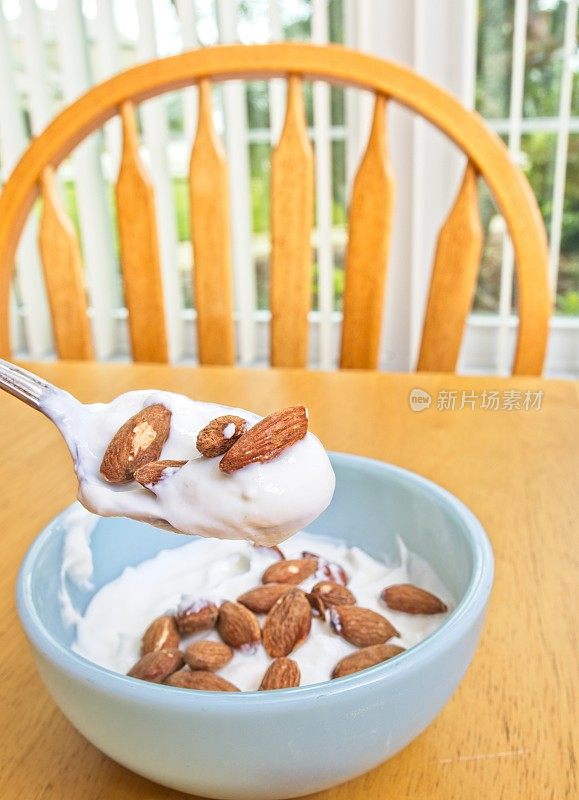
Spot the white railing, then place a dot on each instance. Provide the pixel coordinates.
(88, 41)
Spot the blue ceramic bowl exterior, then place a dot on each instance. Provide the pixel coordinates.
(266, 745)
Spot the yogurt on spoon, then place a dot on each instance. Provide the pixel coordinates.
(264, 502)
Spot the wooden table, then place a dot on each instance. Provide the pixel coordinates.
(508, 731)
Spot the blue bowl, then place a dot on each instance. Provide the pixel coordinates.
(266, 745)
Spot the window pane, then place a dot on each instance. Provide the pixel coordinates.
(543, 57)
(538, 164)
(494, 55)
(336, 21)
(260, 162)
(568, 283)
(253, 23)
(543, 67)
(337, 106)
(339, 219)
(257, 96)
(488, 287)
(207, 31)
(295, 18)
(575, 98)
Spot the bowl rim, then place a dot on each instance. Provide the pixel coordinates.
(471, 605)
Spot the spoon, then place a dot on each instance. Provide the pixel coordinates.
(24, 385)
(262, 502)
(37, 393)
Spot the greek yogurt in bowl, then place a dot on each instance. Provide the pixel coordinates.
(110, 629)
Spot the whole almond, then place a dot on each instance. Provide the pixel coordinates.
(220, 434)
(150, 474)
(157, 665)
(267, 439)
(283, 673)
(361, 626)
(261, 599)
(200, 615)
(237, 625)
(412, 600)
(367, 657)
(139, 441)
(161, 634)
(334, 594)
(329, 570)
(292, 570)
(208, 655)
(200, 680)
(317, 605)
(288, 624)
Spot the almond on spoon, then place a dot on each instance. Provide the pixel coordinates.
(220, 434)
(136, 443)
(267, 439)
(150, 474)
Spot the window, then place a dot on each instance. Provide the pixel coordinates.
(516, 60)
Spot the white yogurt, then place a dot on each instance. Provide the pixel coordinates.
(77, 563)
(263, 503)
(109, 632)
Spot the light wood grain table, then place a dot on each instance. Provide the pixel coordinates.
(509, 730)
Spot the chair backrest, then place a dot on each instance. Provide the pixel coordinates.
(457, 253)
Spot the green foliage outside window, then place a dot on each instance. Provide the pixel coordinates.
(543, 64)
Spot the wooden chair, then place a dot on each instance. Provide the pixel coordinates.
(457, 253)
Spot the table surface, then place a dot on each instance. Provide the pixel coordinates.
(508, 731)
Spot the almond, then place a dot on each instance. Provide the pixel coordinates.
(292, 570)
(283, 673)
(367, 657)
(201, 680)
(157, 665)
(334, 594)
(237, 625)
(161, 634)
(207, 655)
(328, 569)
(317, 605)
(261, 599)
(412, 600)
(200, 615)
(219, 435)
(139, 441)
(361, 626)
(288, 624)
(150, 474)
(267, 439)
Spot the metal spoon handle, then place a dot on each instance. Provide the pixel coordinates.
(23, 384)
